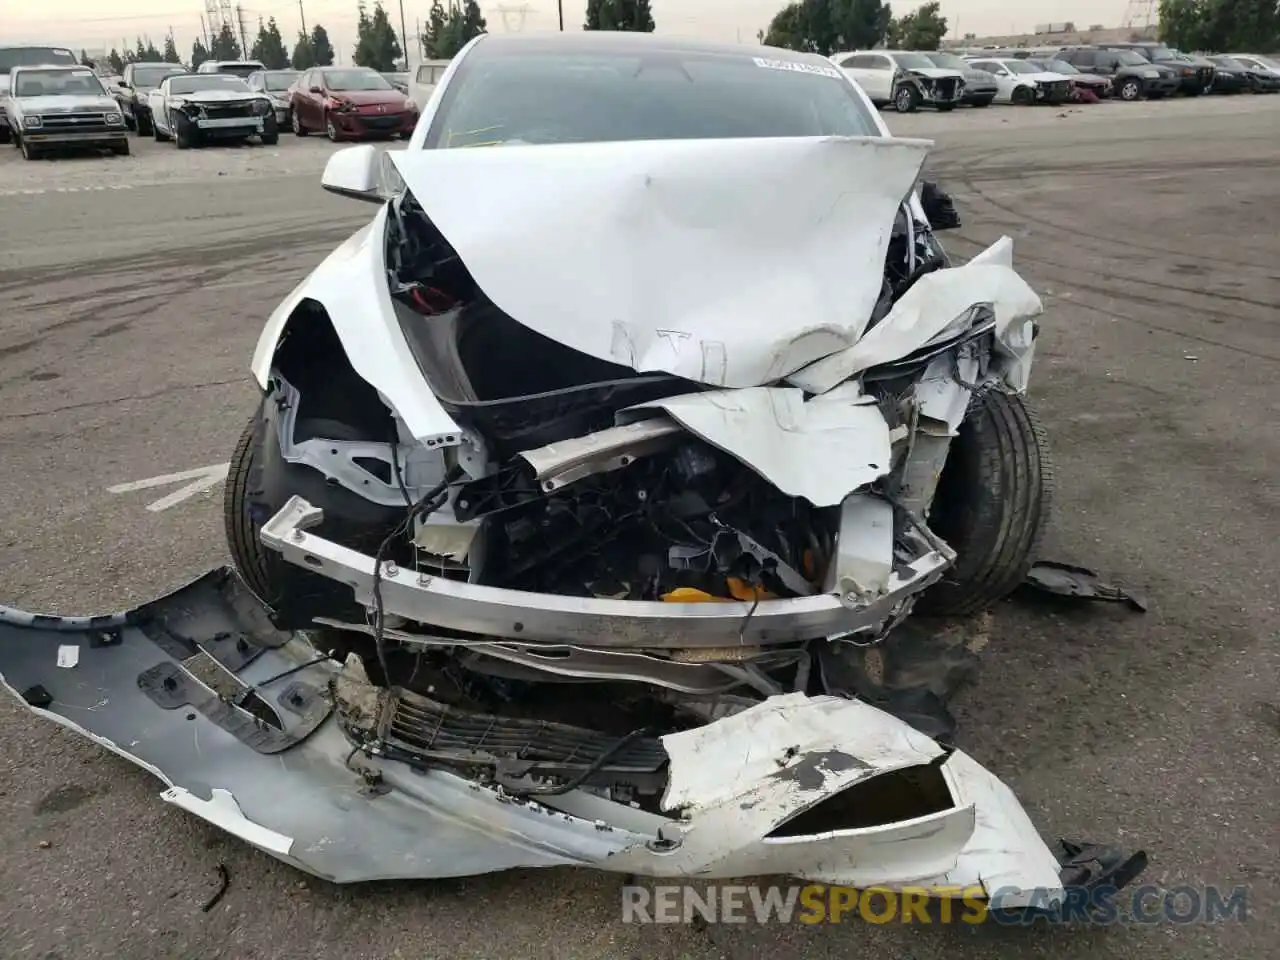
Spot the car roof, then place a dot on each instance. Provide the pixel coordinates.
(617, 42)
(45, 67)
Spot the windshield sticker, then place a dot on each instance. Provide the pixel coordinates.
(795, 67)
(61, 53)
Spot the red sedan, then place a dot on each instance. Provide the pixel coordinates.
(350, 103)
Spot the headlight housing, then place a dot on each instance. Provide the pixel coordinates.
(1151, 74)
(114, 119)
(32, 123)
(262, 107)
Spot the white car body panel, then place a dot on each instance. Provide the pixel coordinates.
(676, 261)
(160, 100)
(1007, 81)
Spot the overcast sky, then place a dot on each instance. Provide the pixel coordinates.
(85, 23)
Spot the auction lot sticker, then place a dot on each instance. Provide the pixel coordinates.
(797, 67)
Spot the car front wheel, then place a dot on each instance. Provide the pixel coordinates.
(1130, 90)
(992, 504)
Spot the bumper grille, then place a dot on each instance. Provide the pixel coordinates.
(945, 89)
(62, 122)
(429, 729)
(224, 111)
(391, 121)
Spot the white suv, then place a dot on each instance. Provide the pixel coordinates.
(906, 79)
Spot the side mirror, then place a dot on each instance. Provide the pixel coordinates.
(938, 206)
(361, 173)
(123, 84)
(317, 89)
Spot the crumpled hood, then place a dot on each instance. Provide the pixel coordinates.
(729, 262)
(936, 73)
(217, 96)
(65, 103)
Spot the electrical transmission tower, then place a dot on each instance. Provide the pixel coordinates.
(514, 13)
(1139, 13)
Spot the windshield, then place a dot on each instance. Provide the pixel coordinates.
(151, 76)
(1019, 66)
(11, 57)
(241, 70)
(281, 79)
(1130, 59)
(58, 83)
(1158, 53)
(563, 94)
(948, 61)
(914, 61)
(354, 81)
(1058, 66)
(207, 81)
(1229, 63)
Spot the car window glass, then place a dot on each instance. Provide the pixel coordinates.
(558, 96)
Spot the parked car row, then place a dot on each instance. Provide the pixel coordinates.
(943, 80)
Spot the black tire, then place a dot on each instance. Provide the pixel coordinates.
(144, 125)
(1024, 96)
(29, 152)
(160, 137)
(992, 505)
(298, 129)
(984, 102)
(129, 122)
(331, 130)
(906, 99)
(184, 132)
(6, 134)
(259, 483)
(1130, 89)
(270, 135)
(120, 148)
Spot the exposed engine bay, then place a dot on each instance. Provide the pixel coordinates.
(568, 580)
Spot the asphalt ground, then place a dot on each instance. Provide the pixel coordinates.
(132, 292)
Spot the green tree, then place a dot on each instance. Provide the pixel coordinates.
(633, 16)
(923, 29)
(303, 57)
(826, 26)
(321, 48)
(146, 52)
(225, 45)
(1213, 25)
(786, 29)
(115, 61)
(269, 46)
(448, 32)
(170, 52)
(376, 43)
(199, 54)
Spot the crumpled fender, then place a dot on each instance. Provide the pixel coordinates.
(350, 284)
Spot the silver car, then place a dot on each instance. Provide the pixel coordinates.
(52, 107)
(275, 85)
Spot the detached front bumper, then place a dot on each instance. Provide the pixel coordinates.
(821, 788)
(538, 617)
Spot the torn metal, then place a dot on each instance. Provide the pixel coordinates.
(562, 524)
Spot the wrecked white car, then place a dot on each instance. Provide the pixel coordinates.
(581, 478)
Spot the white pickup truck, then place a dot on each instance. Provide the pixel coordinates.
(56, 107)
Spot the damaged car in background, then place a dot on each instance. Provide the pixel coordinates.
(582, 479)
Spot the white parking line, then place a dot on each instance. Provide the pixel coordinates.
(93, 188)
(203, 478)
